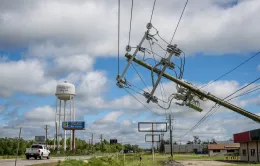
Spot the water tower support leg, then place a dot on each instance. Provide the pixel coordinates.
(73, 140)
(65, 138)
(73, 102)
(70, 120)
(59, 128)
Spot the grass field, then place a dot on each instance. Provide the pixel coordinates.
(196, 157)
(11, 157)
(134, 160)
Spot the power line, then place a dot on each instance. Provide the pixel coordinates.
(230, 70)
(152, 11)
(179, 21)
(140, 76)
(243, 94)
(210, 112)
(130, 22)
(141, 102)
(118, 44)
(242, 88)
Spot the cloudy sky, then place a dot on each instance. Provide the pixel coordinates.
(43, 43)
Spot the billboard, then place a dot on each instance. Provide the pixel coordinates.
(39, 139)
(73, 125)
(113, 141)
(152, 137)
(152, 126)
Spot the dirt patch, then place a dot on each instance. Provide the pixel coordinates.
(205, 163)
(172, 163)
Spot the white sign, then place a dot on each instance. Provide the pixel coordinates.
(40, 139)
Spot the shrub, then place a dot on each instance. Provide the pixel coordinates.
(72, 162)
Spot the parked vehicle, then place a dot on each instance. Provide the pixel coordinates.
(37, 151)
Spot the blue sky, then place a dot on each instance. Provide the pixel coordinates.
(78, 44)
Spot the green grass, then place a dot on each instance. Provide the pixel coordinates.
(46, 164)
(196, 157)
(52, 155)
(242, 164)
(129, 160)
(11, 157)
(134, 160)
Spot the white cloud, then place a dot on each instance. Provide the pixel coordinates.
(43, 114)
(89, 27)
(73, 63)
(126, 122)
(16, 77)
(110, 118)
(92, 84)
(31, 77)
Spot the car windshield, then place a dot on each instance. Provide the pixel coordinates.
(37, 146)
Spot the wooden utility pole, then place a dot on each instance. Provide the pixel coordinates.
(92, 139)
(92, 142)
(170, 125)
(152, 143)
(197, 91)
(18, 146)
(101, 140)
(46, 134)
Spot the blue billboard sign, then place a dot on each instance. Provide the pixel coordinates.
(73, 125)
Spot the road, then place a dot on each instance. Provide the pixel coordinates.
(23, 162)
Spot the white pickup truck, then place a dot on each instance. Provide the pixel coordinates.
(37, 151)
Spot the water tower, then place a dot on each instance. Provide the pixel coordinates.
(65, 92)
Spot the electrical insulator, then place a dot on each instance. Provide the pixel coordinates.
(148, 37)
(190, 97)
(128, 48)
(180, 96)
(181, 90)
(149, 26)
(141, 49)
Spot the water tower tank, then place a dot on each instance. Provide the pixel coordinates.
(65, 90)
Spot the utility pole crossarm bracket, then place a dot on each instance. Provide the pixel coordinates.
(198, 91)
(172, 49)
(119, 78)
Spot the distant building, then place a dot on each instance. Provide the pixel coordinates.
(249, 145)
(225, 142)
(224, 149)
(188, 148)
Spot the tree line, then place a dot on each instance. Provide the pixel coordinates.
(8, 146)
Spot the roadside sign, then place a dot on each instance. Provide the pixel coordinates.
(40, 139)
(152, 126)
(113, 141)
(152, 138)
(73, 125)
(232, 157)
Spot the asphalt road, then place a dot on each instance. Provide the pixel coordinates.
(23, 162)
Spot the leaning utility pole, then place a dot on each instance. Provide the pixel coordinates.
(201, 94)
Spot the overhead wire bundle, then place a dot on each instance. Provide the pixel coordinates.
(152, 41)
(216, 106)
